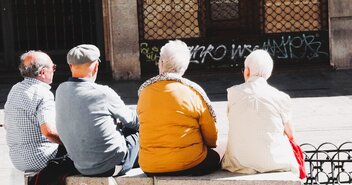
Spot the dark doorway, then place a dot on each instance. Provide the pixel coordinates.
(228, 18)
(52, 26)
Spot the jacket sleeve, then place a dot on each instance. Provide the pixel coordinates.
(208, 127)
(118, 109)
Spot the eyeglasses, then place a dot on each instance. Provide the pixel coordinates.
(53, 67)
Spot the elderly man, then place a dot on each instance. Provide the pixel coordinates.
(259, 122)
(30, 115)
(99, 131)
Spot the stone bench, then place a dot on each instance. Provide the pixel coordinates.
(136, 176)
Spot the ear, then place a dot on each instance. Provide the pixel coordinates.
(70, 65)
(248, 72)
(160, 66)
(96, 66)
(41, 75)
(41, 72)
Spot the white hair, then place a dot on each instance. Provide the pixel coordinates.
(175, 57)
(259, 63)
(32, 62)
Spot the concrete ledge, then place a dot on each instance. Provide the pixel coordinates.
(73, 180)
(227, 178)
(136, 176)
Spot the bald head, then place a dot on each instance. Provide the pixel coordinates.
(32, 62)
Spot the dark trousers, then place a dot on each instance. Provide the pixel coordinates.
(131, 158)
(61, 151)
(210, 164)
(55, 172)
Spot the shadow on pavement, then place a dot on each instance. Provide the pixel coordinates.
(298, 80)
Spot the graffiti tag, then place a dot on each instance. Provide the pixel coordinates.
(285, 47)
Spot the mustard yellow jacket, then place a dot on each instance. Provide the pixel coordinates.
(176, 127)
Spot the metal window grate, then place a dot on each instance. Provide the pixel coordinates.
(165, 19)
(168, 19)
(294, 15)
(328, 163)
(221, 10)
(53, 24)
(232, 18)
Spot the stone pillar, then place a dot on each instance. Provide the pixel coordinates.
(340, 30)
(124, 42)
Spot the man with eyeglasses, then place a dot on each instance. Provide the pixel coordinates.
(30, 115)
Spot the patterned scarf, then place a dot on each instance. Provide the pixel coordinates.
(178, 78)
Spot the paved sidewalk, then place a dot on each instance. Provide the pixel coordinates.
(322, 106)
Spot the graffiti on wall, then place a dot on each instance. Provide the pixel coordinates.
(304, 46)
(295, 47)
(151, 54)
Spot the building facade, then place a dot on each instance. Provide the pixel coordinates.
(219, 33)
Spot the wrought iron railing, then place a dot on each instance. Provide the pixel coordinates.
(328, 163)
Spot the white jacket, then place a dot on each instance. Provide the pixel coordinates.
(256, 141)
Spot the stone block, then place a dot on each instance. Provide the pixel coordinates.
(81, 180)
(227, 178)
(340, 8)
(134, 176)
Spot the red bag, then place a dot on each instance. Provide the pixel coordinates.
(299, 157)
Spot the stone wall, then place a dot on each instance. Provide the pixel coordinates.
(340, 29)
(124, 44)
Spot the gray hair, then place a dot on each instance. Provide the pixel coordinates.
(32, 62)
(259, 63)
(175, 56)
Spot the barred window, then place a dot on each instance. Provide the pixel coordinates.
(224, 9)
(165, 19)
(53, 24)
(292, 15)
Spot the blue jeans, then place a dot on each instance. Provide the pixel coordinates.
(131, 158)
